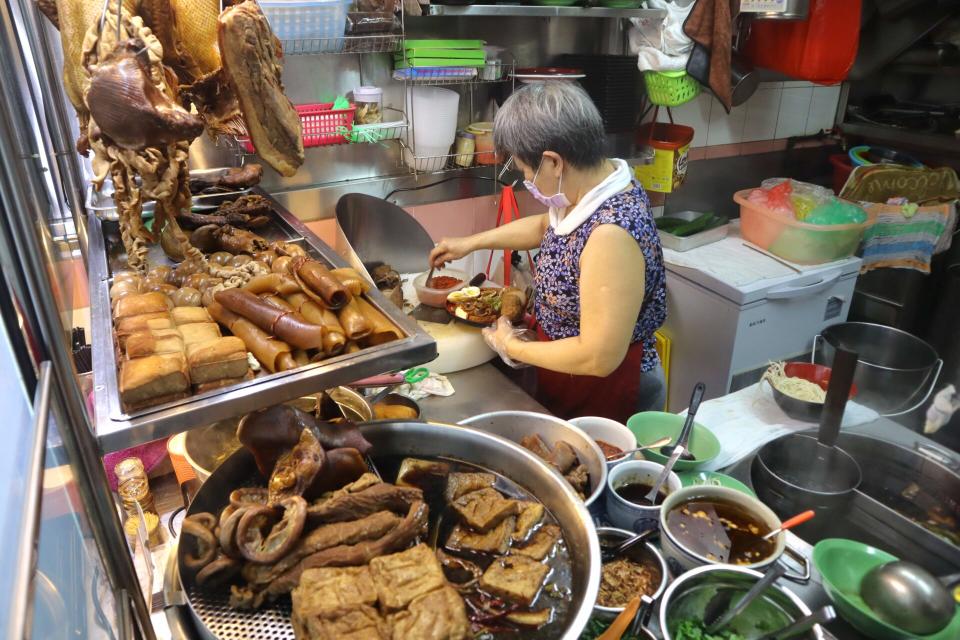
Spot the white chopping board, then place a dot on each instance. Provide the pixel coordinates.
(459, 346)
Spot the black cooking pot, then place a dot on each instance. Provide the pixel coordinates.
(797, 472)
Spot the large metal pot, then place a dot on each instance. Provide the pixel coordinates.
(514, 425)
(896, 371)
(213, 619)
(689, 594)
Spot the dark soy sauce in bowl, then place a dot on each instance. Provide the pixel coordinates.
(636, 492)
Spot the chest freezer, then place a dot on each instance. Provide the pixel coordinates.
(732, 311)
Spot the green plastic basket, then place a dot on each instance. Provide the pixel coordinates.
(670, 88)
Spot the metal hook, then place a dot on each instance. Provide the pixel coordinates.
(119, 18)
(103, 14)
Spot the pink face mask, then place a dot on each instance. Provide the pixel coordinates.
(556, 201)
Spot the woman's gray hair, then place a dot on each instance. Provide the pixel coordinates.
(550, 116)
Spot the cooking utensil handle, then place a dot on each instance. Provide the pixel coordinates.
(695, 400)
(803, 561)
(933, 384)
(774, 573)
(838, 393)
(800, 518)
(820, 616)
(665, 474)
(816, 345)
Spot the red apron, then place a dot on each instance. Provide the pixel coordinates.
(570, 396)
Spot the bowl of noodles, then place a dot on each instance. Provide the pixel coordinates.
(799, 388)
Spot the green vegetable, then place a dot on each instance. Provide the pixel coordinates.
(667, 223)
(596, 627)
(684, 228)
(694, 630)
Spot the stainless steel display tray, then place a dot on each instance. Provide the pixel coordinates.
(116, 429)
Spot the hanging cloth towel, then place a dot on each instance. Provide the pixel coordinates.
(564, 224)
(710, 24)
(899, 241)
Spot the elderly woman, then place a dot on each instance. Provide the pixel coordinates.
(600, 283)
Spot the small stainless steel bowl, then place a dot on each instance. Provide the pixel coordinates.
(688, 595)
(613, 536)
(398, 399)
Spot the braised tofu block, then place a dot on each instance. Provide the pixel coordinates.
(514, 578)
(430, 476)
(484, 509)
(541, 544)
(530, 515)
(459, 484)
(497, 540)
(536, 444)
(360, 622)
(564, 457)
(438, 615)
(328, 589)
(401, 577)
(579, 479)
(535, 619)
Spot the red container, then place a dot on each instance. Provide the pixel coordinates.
(842, 167)
(820, 49)
(321, 125)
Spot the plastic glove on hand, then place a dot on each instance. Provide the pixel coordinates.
(499, 335)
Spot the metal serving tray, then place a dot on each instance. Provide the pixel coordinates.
(116, 429)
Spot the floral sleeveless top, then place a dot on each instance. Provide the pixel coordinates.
(557, 302)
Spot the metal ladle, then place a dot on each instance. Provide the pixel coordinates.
(907, 596)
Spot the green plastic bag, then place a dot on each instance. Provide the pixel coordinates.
(835, 211)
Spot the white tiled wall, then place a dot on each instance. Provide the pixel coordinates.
(776, 110)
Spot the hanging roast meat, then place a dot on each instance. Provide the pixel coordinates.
(250, 54)
(130, 109)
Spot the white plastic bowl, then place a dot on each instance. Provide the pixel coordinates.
(611, 432)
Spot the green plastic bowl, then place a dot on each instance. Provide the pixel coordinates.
(842, 565)
(713, 479)
(653, 425)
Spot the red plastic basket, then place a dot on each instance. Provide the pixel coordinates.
(321, 125)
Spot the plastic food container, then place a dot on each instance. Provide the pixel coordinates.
(671, 144)
(466, 146)
(369, 101)
(797, 241)
(306, 20)
(484, 142)
(438, 297)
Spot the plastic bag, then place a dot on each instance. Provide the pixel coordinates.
(776, 198)
(788, 196)
(370, 22)
(836, 211)
(492, 337)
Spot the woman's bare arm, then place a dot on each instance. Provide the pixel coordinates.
(612, 272)
(523, 234)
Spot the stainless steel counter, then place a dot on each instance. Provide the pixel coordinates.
(478, 390)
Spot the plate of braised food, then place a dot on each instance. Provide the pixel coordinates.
(482, 306)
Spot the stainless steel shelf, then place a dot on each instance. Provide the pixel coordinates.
(116, 429)
(372, 43)
(530, 11)
(906, 138)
